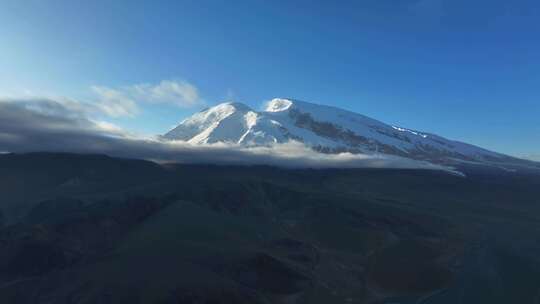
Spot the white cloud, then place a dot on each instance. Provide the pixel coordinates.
(115, 103)
(123, 101)
(178, 93)
(534, 157)
(109, 128)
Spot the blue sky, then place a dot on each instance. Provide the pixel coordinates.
(467, 70)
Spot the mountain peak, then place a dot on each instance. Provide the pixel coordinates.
(324, 128)
(278, 105)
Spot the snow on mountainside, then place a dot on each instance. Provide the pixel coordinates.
(324, 128)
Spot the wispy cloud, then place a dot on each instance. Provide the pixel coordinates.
(230, 95)
(123, 101)
(56, 126)
(115, 103)
(178, 93)
(535, 157)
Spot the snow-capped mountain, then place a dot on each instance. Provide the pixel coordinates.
(324, 128)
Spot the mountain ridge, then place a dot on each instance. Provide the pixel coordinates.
(326, 129)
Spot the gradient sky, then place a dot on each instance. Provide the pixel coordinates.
(466, 70)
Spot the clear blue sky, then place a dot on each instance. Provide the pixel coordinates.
(467, 70)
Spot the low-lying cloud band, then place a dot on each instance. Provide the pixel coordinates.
(34, 125)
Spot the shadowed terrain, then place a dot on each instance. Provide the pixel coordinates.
(95, 229)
